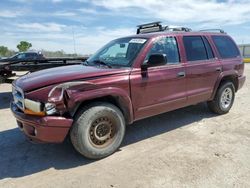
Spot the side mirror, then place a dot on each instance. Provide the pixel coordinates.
(155, 60)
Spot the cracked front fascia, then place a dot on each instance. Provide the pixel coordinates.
(60, 94)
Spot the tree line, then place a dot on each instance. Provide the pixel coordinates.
(24, 46)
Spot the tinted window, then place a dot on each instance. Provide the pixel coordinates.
(195, 48)
(210, 53)
(31, 55)
(21, 56)
(225, 46)
(167, 46)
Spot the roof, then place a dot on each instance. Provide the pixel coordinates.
(154, 29)
(174, 33)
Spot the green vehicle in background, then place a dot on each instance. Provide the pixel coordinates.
(245, 52)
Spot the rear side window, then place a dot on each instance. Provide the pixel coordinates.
(210, 53)
(195, 48)
(226, 47)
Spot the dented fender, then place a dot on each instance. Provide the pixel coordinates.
(68, 96)
(58, 95)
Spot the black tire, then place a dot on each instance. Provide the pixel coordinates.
(98, 130)
(216, 105)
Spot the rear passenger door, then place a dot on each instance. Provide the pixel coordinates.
(202, 68)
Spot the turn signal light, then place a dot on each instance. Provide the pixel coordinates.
(29, 112)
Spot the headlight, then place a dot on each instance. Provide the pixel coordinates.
(33, 108)
(50, 108)
(33, 105)
(37, 108)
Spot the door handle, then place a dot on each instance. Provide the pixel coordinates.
(181, 74)
(218, 69)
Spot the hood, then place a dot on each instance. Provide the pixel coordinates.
(58, 75)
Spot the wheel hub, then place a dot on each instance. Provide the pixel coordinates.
(101, 131)
(226, 98)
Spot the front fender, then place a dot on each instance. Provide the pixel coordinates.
(69, 96)
(120, 95)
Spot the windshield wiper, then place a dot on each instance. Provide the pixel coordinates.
(100, 62)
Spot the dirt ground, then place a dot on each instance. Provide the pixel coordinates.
(189, 147)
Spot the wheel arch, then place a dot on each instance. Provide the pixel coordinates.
(232, 77)
(116, 97)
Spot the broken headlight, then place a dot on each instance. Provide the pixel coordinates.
(50, 108)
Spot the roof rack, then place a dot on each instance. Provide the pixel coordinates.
(149, 27)
(219, 30)
(186, 29)
(157, 27)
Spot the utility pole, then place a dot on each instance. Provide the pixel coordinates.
(74, 41)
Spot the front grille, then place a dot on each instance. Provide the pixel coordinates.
(18, 97)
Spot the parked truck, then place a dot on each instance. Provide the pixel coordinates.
(31, 62)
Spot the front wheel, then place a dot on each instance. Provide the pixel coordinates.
(224, 99)
(98, 130)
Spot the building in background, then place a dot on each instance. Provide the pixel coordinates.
(245, 52)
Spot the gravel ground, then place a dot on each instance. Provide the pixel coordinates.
(189, 147)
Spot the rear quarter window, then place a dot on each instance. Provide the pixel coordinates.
(226, 47)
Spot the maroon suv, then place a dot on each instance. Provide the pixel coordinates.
(157, 70)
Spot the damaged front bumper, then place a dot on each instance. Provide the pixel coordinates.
(48, 129)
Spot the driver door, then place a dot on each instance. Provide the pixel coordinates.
(160, 88)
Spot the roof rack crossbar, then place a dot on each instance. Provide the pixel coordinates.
(157, 27)
(186, 29)
(152, 24)
(220, 30)
(149, 27)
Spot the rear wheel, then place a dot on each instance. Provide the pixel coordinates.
(224, 98)
(98, 130)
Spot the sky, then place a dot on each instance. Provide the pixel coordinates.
(83, 26)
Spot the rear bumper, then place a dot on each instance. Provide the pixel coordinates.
(241, 81)
(47, 129)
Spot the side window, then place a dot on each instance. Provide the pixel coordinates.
(210, 53)
(21, 56)
(30, 55)
(195, 48)
(226, 47)
(168, 47)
